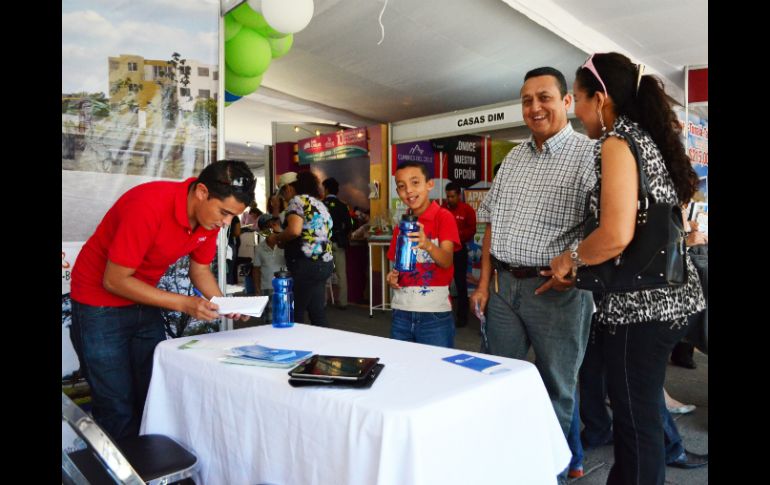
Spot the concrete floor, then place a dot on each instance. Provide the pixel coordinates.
(685, 385)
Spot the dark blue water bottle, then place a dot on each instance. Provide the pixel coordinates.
(406, 257)
(283, 299)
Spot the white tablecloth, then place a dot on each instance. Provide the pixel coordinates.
(424, 421)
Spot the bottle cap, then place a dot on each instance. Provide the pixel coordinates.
(282, 273)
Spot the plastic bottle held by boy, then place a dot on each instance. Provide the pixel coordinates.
(406, 256)
(283, 299)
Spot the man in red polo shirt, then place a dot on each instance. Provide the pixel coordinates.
(116, 319)
(465, 217)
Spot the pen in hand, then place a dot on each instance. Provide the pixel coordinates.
(198, 293)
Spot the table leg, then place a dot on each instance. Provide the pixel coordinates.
(371, 299)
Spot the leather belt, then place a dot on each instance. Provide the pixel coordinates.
(519, 271)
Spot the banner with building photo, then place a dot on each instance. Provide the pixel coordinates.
(139, 91)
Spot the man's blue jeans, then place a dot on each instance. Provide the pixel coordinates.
(115, 346)
(432, 328)
(555, 324)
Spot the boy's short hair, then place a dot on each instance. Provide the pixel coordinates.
(331, 185)
(421, 166)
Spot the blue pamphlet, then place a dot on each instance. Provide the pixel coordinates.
(261, 352)
(477, 363)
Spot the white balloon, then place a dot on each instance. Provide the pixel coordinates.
(255, 5)
(287, 16)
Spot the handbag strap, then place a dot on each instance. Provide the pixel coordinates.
(644, 191)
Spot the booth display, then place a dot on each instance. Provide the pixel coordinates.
(393, 432)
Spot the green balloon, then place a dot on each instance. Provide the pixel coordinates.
(240, 85)
(248, 54)
(281, 46)
(232, 27)
(254, 20)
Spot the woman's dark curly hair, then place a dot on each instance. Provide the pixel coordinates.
(649, 107)
(307, 184)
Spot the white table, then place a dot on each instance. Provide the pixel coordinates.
(384, 244)
(423, 422)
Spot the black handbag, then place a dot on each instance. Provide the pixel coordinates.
(655, 258)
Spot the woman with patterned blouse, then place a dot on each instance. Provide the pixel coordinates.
(633, 331)
(307, 245)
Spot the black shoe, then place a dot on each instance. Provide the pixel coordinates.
(690, 460)
(681, 355)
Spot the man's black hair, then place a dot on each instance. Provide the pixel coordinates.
(421, 166)
(550, 71)
(331, 185)
(453, 187)
(225, 178)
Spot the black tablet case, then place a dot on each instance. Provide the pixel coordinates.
(360, 384)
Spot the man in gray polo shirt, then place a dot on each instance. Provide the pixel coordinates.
(534, 211)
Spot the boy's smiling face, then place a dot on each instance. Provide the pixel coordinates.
(413, 189)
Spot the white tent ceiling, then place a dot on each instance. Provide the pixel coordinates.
(439, 56)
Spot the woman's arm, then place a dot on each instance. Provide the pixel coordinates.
(618, 205)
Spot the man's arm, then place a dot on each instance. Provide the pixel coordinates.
(120, 280)
(480, 297)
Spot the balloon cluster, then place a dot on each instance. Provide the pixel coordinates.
(256, 32)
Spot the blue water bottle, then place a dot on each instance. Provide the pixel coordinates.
(406, 257)
(283, 299)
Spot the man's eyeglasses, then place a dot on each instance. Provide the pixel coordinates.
(589, 64)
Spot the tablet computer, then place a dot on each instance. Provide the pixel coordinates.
(335, 367)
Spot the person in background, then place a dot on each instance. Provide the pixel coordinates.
(249, 219)
(306, 240)
(276, 206)
(534, 210)
(116, 308)
(465, 217)
(341, 229)
(634, 331)
(422, 311)
(268, 258)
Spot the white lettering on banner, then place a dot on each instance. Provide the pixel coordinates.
(466, 146)
(465, 174)
(464, 160)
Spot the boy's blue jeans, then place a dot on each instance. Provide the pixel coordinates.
(432, 328)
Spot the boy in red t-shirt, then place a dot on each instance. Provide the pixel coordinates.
(422, 311)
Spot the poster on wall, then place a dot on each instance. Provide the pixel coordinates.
(464, 155)
(139, 91)
(419, 151)
(474, 197)
(333, 146)
(69, 360)
(698, 150)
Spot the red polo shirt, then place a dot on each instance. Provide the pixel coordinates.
(465, 217)
(439, 225)
(147, 229)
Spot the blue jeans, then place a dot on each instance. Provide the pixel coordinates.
(573, 439)
(115, 346)
(309, 286)
(432, 328)
(555, 324)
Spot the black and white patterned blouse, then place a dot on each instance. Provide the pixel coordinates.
(669, 303)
